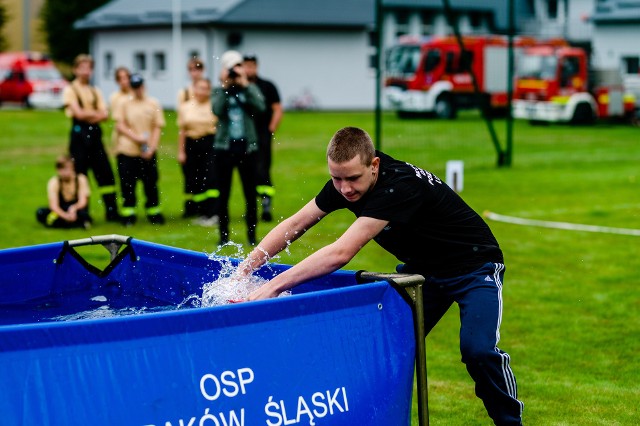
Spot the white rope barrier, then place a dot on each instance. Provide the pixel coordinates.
(560, 225)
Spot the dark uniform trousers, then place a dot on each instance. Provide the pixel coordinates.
(88, 152)
(224, 163)
(132, 169)
(199, 176)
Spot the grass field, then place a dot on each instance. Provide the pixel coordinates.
(572, 301)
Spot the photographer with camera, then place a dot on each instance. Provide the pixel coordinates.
(235, 103)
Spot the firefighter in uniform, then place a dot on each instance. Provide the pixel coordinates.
(197, 126)
(123, 93)
(195, 66)
(68, 194)
(139, 122)
(85, 105)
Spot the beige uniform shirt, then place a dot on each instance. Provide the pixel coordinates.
(69, 189)
(184, 95)
(196, 119)
(87, 96)
(115, 100)
(141, 116)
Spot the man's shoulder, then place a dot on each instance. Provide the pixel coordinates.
(264, 81)
(153, 102)
(53, 184)
(266, 86)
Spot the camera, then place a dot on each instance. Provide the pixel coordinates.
(233, 73)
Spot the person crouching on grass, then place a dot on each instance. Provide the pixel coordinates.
(68, 193)
(416, 217)
(139, 122)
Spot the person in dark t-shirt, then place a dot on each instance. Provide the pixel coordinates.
(412, 214)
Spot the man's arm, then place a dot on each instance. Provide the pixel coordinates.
(324, 261)
(255, 100)
(83, 192)
(276, 107)
(85, 114)
(219, 102)
(281, 236)
(53, 190)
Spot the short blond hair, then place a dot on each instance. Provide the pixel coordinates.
(83, 57)
(349, 142)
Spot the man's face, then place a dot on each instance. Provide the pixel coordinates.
(353, 179)
(195, 72)
(83, 71)
(251, 68)
(202, 90)
(123, 80)
(66, 171)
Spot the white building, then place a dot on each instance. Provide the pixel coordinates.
(318, 50)
(615, 41)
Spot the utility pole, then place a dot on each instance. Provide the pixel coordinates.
(176, 44)
(26, 21)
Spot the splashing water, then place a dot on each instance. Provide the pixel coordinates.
(226, 288)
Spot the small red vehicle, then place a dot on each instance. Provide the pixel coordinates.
(30, 79)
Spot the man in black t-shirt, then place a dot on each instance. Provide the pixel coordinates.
(415, 216)
(266, 125)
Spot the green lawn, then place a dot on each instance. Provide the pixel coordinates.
(572, 302)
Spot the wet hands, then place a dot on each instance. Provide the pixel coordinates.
(264, 292)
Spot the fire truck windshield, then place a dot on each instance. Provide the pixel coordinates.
(541, 67)
(403, 59)
(44, 74)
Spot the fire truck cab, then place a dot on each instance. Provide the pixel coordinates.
(30, 79)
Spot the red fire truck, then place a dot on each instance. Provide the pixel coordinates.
(30, 79)
(433, 76)
(553, 85)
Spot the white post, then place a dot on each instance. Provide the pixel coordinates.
(455, 174)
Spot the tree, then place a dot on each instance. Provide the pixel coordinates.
(58, 17)
(4, 17)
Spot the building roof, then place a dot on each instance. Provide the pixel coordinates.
(617, 12)
(126, 13)
(319, 13)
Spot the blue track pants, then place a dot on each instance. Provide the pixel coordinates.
(479, 296)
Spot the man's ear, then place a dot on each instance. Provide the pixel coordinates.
(375, 163)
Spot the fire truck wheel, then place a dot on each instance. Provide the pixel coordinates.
(583, 115)
(27, 104)
(444, 108)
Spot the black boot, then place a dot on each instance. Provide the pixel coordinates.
(266, 209)
(251, 236)
(190, 209)
(111, 207)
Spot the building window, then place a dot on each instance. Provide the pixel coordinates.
(402, 22)
(427, 19)
(108, 64)
(140, 61)
(552, 9)
(475, 20)
(631, 64)
(159, 63)
(234, 40)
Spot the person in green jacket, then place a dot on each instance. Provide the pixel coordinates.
(235, 103)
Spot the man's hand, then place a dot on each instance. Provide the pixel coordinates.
(182, 157)
(264, 292)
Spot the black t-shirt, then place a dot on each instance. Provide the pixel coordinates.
(271, 96)
(431, 228)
